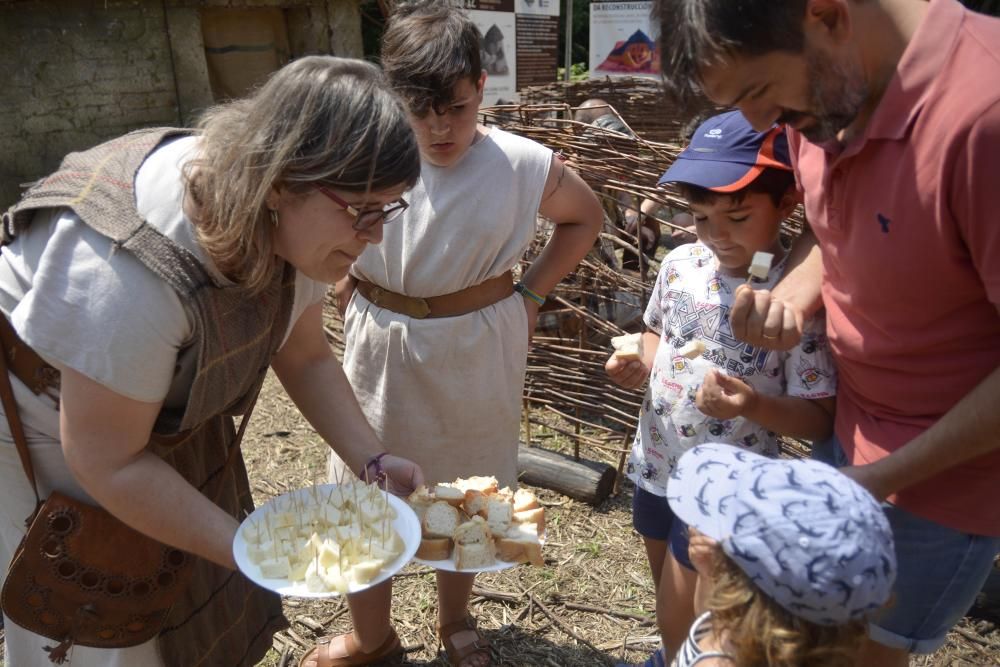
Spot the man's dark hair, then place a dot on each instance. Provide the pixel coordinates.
(428, 47)
(695, 33)
(772, 182)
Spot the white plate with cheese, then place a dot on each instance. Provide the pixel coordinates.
(326, 540)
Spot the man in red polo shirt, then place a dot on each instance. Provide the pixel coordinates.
(894, 107)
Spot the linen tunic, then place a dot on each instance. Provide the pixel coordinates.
(446, 392)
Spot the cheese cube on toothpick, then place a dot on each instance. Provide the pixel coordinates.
(628, 347)
(760, 265)
(691, 349)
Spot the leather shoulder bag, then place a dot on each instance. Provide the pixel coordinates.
(81, 576)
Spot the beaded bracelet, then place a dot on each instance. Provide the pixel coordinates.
(526, 292)
(380, 476)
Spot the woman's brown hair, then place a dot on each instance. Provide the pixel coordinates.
(319, 120)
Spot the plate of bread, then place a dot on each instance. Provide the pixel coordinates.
(327, 540)
(471, 525)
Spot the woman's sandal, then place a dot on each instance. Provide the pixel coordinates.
(461, 651)
(343, 651)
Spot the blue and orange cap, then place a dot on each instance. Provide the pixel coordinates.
(726, 154)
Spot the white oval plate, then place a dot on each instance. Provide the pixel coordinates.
(405, 523)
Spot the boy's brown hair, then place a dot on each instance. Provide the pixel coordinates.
(428, 47)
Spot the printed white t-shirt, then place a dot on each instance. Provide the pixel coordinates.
(691, 301)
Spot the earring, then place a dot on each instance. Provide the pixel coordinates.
(274, 217)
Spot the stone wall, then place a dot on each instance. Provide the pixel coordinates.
(77, 72)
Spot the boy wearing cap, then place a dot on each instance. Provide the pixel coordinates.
(739, 186)
(793, 556)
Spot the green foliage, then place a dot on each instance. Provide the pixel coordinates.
(581, 31)
(577, 72)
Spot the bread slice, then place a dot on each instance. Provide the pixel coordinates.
(475, 503)
(628, 347)
(419, 501)
(498, 515)
(450, 494)
(521, 545)
(474, 556)
(435, 548)
(473, 531)
(440, 520)
(516, 551)
(524, 500)
(487, 485)
(535, 516)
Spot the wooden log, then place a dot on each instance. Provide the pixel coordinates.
(584, 480)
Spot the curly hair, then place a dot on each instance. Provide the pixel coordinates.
(760, 633)
(319, 120)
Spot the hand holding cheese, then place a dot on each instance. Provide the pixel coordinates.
(691, 349)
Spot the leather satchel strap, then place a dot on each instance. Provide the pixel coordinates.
(235, 447)
(463, 301)
(14, 420)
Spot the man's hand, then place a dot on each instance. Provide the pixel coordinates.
(763, 321)
(630, 374)
(868, 476)
(723, 397)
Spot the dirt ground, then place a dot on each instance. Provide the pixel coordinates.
(590, 605)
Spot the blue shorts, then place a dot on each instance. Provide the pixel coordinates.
(940, 572)
(654, 520)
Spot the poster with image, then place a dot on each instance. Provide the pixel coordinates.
(622, 40)
(498, 55)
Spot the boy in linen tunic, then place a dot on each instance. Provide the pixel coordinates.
(447, 390)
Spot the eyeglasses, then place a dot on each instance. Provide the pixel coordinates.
(368, 219)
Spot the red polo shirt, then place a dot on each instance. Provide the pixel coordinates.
(908, 219)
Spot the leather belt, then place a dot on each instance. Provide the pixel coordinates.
(464, 301)
(37, 374)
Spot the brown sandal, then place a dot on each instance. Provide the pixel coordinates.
(457, 653)
(349, 654)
